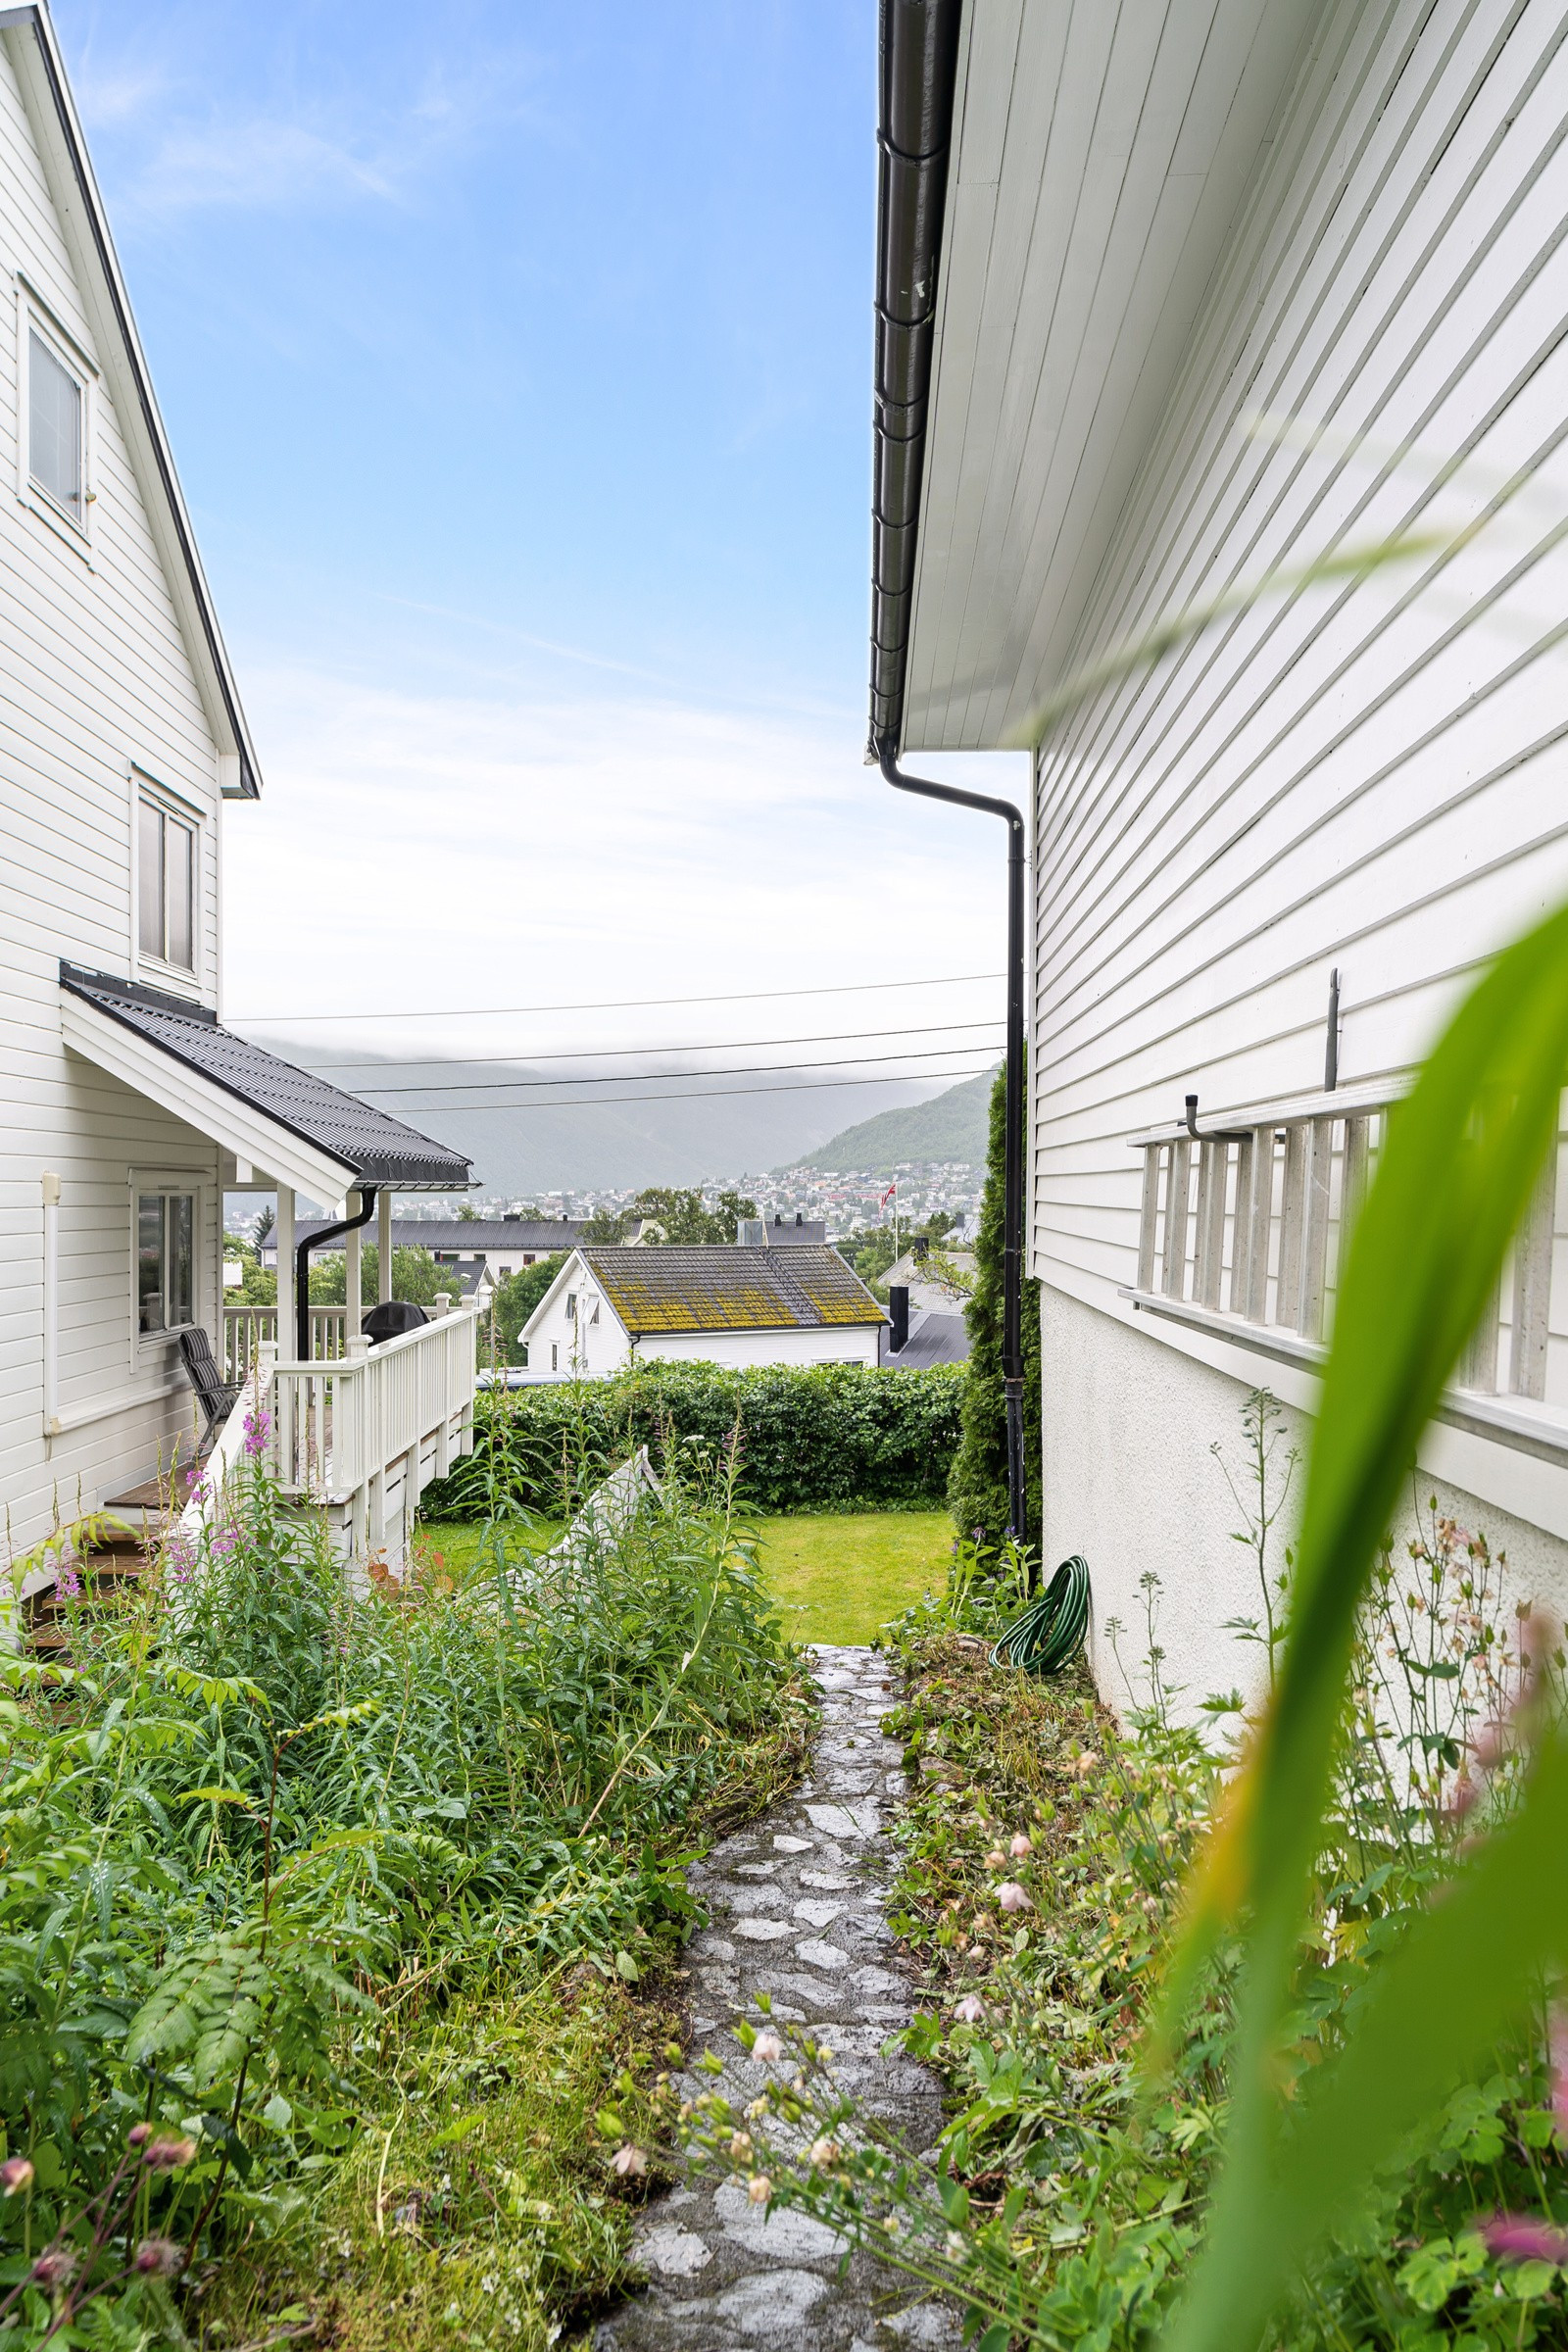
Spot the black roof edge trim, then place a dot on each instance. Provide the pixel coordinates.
(77, 977)
(918, 74)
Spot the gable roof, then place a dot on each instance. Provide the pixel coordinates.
(730, 1288)
(35, 53)
(178, 1053)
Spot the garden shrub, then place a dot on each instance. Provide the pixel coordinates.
(977, 1486)
(823, 1437)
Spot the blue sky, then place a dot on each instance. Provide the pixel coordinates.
(516, 365)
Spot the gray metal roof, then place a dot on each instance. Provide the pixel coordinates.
(473, 1235)
(933, 1339)
(381, 1151)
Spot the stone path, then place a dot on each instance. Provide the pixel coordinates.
(797, 1908)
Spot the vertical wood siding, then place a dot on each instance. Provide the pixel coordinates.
(93, 679)
(1371, 775)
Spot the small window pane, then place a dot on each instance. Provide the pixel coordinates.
(150, 1263)
(54, 426)
(180, 881)
(150, 879)
(180, 1287)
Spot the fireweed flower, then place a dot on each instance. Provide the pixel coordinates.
(67, 1583)
(16, 2175)
(1012, 1896)
(1524, 2237)
(258, 1429)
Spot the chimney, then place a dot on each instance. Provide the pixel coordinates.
(899, 1314)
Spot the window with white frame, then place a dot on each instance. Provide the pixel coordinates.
(56, 425)
(166, 874)
(165, 1261)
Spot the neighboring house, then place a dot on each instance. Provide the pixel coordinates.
(125, 1109)
(936, 1337)
(928, 1293)
(721, 1305)
(787, 1233)
(1267, 864)
(502, 1245)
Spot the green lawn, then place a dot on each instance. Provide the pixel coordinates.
(836, 1578)
(841, 1579)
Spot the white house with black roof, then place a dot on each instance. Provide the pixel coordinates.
(127, 1109)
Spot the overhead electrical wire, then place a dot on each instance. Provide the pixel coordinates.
(495, 1085)
(723, 1045)
(709, 1094)
(741, 996)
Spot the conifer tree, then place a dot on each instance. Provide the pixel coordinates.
(977, 1486)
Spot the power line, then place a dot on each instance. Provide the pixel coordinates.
(709, 1094)
(744, 996)
(496, 1086)
(723, 1045)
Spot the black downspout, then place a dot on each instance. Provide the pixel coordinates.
(302, 1266)
(1012, 1139)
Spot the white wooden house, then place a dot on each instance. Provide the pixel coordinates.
(126, 1107)
(735, 1305)
(1157, 225)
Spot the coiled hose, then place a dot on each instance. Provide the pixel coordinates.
(1051, 1632)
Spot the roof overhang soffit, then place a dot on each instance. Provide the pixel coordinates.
(35, 59)
(237, 1125)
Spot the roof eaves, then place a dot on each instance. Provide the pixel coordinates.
(98, 247)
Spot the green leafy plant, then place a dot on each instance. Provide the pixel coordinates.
(977, 1483)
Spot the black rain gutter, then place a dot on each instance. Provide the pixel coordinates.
(301, 1265)
(920, 58)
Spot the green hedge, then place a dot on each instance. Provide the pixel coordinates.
(822, 1438)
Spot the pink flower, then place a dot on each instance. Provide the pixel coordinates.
(1557, 2051)
(759, 2188)
(1524, 2237)
(996, 1859)
(970, 2010)
(56, 2268)
(258, 1429)
(1021, 1847)
(1012, 1896)
(628, 2161)
(168, 2155)
(767, 2047)
(825, 2153)
(16, 2174)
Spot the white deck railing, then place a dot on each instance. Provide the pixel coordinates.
(346, 1430)
(1245, 1224)
(249, 1328)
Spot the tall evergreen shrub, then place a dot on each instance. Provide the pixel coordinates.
(977, 1483)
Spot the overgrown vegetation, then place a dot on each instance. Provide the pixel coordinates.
(326, 1920)
(826, 1436)
(1044, 1856)
(672, 1218)
(977, 1488)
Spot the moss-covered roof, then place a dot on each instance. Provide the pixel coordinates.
(731, 1289)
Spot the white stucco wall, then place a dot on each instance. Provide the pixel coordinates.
(1132, 1482)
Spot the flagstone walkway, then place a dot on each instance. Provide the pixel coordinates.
(797, 1908)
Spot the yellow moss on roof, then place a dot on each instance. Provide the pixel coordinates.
(733, 1289)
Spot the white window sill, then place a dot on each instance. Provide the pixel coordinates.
(1514, 1421)
(38, 502)
(115, 1400)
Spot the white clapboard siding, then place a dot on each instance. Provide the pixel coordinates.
(1371, 775)
(95, 681)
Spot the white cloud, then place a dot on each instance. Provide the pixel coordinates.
(434, 851)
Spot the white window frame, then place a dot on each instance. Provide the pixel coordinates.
(34, 318)
(153, 1347)
(177, 978)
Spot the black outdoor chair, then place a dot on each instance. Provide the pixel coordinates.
(215, 1396)
(391, 1319)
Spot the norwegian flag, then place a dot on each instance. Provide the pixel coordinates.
(891, 1193)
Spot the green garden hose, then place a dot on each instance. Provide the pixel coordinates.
(1051, 1632)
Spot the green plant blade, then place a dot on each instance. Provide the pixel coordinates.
(1437, 2005)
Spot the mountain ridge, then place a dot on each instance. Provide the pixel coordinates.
(947, 1126)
